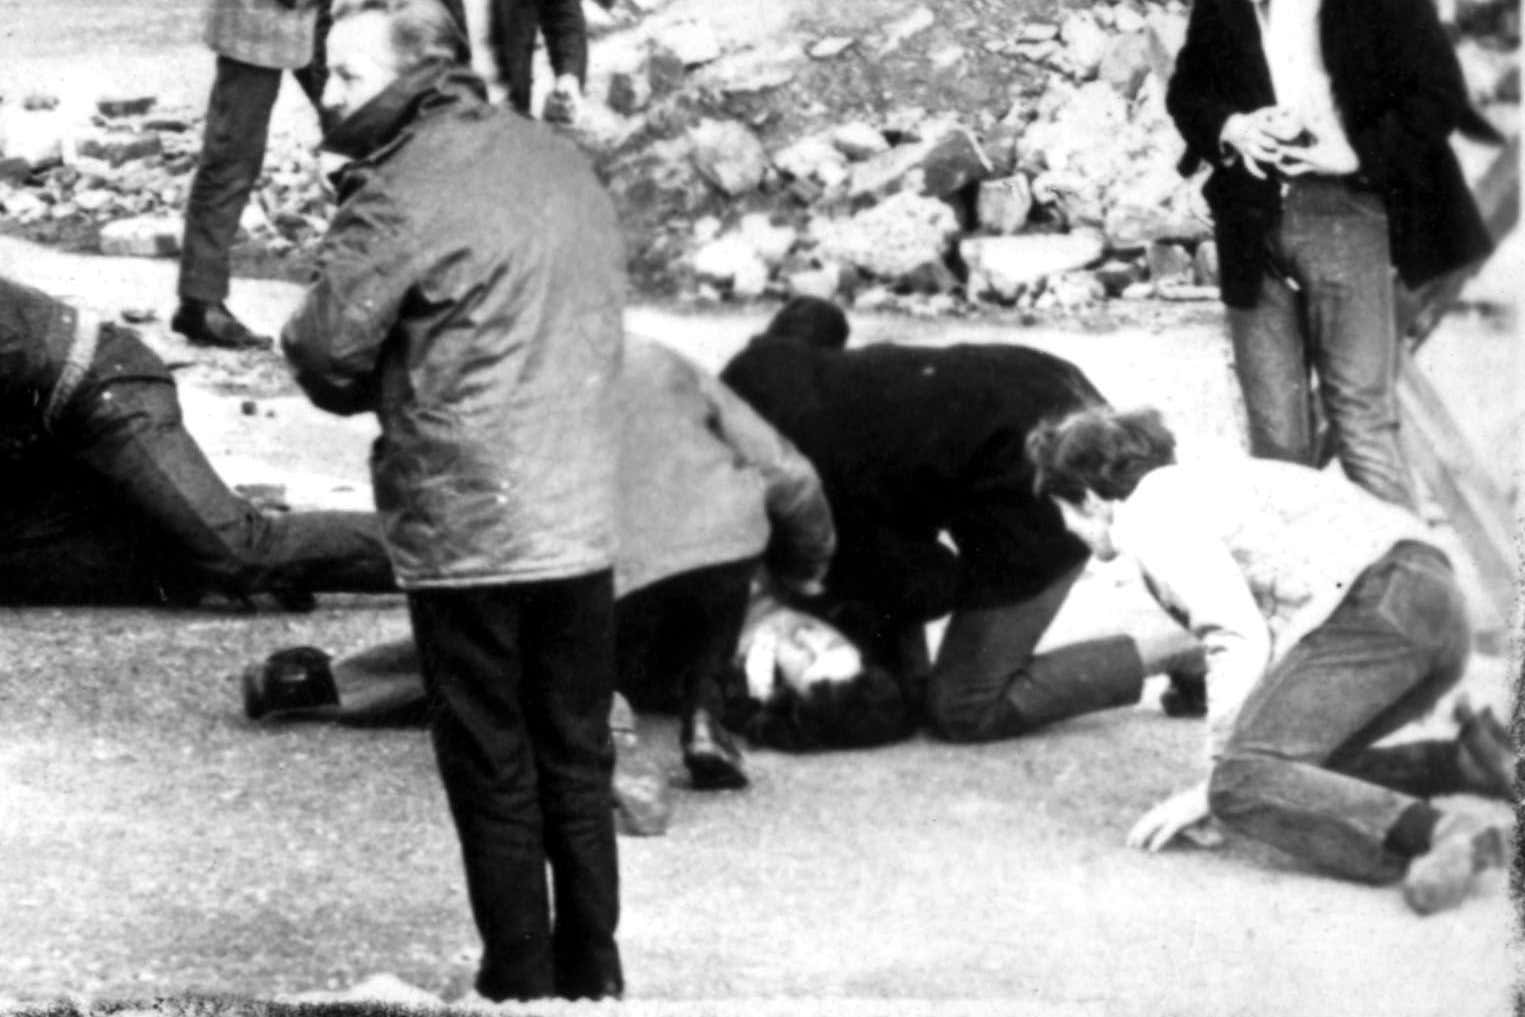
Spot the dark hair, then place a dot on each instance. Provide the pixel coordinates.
(422, 30)
(1098, 449)
(866, 710)
(812, 321)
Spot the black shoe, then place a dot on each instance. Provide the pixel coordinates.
(1187, 695)
(714, 762)
(1484, 753)
(289, 680)
(214, 325)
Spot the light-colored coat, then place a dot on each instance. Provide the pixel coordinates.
(265, 33)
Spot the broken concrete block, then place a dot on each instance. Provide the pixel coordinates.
(728, 155)
(1004, 205)
(145, 236)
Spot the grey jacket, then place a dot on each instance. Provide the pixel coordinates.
(469, 291)
(705, 481)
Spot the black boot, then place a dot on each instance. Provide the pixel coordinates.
(289, 681)
(205, 324)
(714, 762)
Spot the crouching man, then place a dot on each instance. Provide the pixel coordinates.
(1330, 621)
(469, 294)
(109, 500)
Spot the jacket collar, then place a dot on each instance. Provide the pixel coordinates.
(378, 127)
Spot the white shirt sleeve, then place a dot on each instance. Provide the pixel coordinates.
(1190, 570)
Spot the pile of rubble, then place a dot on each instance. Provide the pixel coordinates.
(119, 181)
(748, 172)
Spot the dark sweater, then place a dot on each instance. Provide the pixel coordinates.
(911, 442)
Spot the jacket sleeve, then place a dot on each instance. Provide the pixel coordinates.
(1193, 97)
(1429, 94)
(804, 537)
(566, 37)
(367, 264)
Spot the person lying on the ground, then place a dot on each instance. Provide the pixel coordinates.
(794, 683)
(1330, 620)
(707, 491)
(914, 444)
(110, 501)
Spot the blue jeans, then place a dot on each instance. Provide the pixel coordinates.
(1299, 771)
(1325, 309)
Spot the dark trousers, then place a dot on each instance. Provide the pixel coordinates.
(232, 154)
(1299, 771)
(520, 679)
(1325, 309)
(677, 637)
(121, 506)
(512, 28)
(674, 641)
(986, 682)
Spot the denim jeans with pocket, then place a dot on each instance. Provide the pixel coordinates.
(1299, 771)
(1325, 310)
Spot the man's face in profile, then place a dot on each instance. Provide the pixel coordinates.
(361, 62)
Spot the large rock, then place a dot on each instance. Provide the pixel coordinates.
(118, 147)
(1004, 267)
(722, 261)
(887, 172)
(728, 155)
(23, 206)
(1169, 263)
(144, 236)
(629, 92)
(772, 243)
(812, 158)
(693, 42)
(858, 140)
(946, 160)
(1085, 43)
(1127, 62)
(35, 136)
(1004, 205)
(893, 239)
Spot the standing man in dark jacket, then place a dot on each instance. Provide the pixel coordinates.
(108, 500)
(1326, 125)
(913, 443)
(469, 293)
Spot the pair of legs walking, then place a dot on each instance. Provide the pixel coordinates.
(1325, 309)
(1300, 771)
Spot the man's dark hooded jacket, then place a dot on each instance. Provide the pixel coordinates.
(911, 442)
(1400, 94)
(470, 293)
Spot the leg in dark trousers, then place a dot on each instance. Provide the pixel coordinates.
(520, 679)
(124, 425)
(232, 152)
(987, 684)
(512, 27)
(675, 640)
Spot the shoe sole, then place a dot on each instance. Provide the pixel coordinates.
(710, 773)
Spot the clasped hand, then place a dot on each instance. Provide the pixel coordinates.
(1274, 136)
(1184, 813)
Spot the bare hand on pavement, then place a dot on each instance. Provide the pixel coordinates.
(1160, 825)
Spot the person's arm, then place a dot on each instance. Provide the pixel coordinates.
(1192, 572)
(1193, 98)
(367, 264)
(803, 532)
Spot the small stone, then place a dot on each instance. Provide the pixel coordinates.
(14, 170)
(63, 210)
(918, 20)
(830, 46)
(115, 107)
(772, 243)
(629, 93)
(39, 101)
(1127, 19)
(665, 72)
(954, 161)
(1085, 42)
(118, 147)
(808, 157)
(886, 173)
(1075, 290)
(1126, 63)
(892, 239)
(720, 261)
(1139, 291)
(1168, 262)
(876, 298)
(36, 137)
(1004, 205)
(1036, 32)
(750, 280)
(693, 42)
(859, 141)
(94, 200)
(169, 124)
(1117, 275)
(148, 236)
(139, 315)
(1186, 292)
(706, 229)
